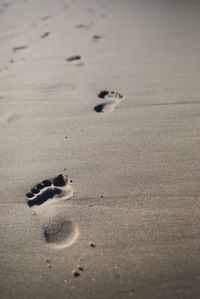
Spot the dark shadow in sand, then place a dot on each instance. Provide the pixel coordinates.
(73, 58)
(41, 198)
(15, 49)
(103, 94)
(45, 35)
(99, 108)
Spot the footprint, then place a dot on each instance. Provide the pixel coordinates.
(16, 49)
(59, 232)
(44, 18)
(76, 60)
(112, 99)
(44, 35)
(96, 37)
(84, 26)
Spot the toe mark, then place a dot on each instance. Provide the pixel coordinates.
(99, 108)
(39, 186)
(44, 34)
(60, 181)
(29, 195)
(41, 198)
(46, 183)
(103, 94)
(35, 190)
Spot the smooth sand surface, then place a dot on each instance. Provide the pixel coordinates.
(132, 224)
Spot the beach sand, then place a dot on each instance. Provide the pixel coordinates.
(107, 94)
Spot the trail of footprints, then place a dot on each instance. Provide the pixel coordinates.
(58, 231)
(111, 100)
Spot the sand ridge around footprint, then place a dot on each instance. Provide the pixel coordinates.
(59, 232)
(112, 99)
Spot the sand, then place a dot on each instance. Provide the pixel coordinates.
(106, 93)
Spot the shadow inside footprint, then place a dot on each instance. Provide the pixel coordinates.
(73, 58)
(56, 233)
(99, 108)
(103, 94)
(44, 35)
(44, 18)
(41, 198)
(96, 37)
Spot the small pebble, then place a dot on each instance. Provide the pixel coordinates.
(49, 263)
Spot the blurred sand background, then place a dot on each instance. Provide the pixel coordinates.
(135, 170)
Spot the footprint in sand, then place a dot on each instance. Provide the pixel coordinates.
(96, 37)
(112, 99)
(44, 35)
(44, 18)
(16, 49)
(76, 60)
(59, 232)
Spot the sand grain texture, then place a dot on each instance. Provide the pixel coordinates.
(135, 170)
